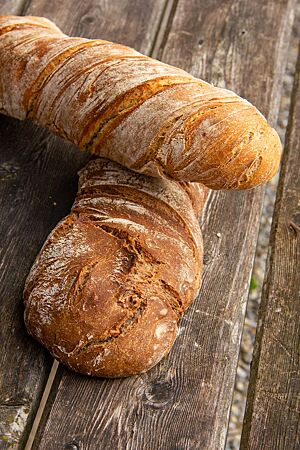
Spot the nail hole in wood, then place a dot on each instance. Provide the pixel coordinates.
(200, 42)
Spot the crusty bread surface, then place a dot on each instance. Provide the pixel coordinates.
(114, 277)
(117, 103)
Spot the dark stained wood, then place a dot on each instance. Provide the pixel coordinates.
(38, 182)
(184, 402)
(273, 411)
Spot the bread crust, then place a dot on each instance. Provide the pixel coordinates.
(117, 103)
(114, 277)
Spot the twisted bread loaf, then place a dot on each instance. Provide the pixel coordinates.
(146, 115)
(112, 280)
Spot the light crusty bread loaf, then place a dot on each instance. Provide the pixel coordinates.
(114, 277)
(146, 115)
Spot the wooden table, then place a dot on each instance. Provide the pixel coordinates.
(184, 402)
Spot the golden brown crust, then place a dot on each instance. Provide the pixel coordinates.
(149, 116)
(114, 277)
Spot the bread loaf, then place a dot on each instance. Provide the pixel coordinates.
(114, 102)
(114, 277)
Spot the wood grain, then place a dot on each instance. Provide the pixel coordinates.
(184, 402)
(38, 183)
(273, 410)
(24, 366)
(12, 6)
(130, 22)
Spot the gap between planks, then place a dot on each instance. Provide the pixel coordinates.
(163, 28)
(278, 298)
(42, 405)
(236, 416)
(160, 37)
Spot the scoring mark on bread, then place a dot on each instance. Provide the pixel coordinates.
(142, 200)
(149, 267)
(112, 335)
(80, 281)
(132, 299)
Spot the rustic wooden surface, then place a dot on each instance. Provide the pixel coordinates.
(273, 411)
(184, 402)
(38, 182)
(12, 6)
(26, 219)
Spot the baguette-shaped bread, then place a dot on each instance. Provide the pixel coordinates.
(114, 102)
(114, 277)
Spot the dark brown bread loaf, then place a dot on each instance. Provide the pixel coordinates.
(114, 277)
(151, 117)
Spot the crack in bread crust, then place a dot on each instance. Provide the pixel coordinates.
(124, 105)
(131, 193)
(115, 102)
(114, 333)
(75, 293)
(31, 95)
(173, 297)
(21, 26)
(102, 295)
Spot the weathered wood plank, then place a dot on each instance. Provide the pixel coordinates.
(131, 22)
(273, 410)
(23, 367)
(23, 211)
(12, 6)
(38, 182)
(184, 402)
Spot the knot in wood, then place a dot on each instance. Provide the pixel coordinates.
(159, 394)
(72, 446)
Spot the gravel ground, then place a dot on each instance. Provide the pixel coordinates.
(242, 379)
